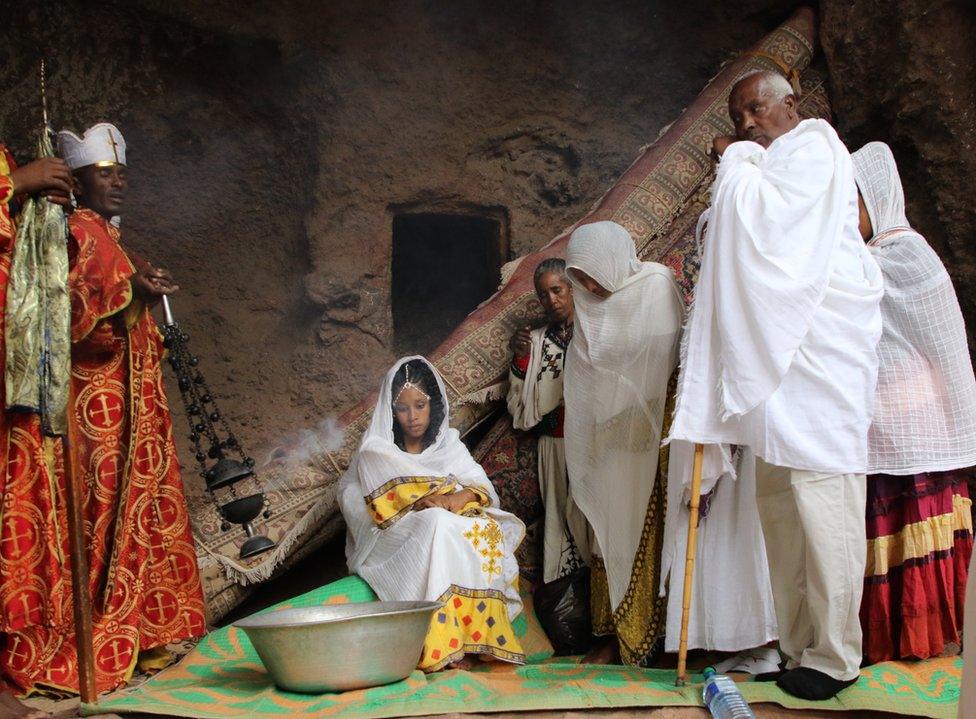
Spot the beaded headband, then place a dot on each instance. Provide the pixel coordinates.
(409, 385)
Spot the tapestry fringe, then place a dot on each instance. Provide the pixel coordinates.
(243, 575)
(495, 392)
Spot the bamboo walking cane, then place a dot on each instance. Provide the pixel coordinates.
(689, 565)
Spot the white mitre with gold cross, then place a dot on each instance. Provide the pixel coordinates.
(102, 145)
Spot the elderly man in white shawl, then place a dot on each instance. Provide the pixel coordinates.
(781, 357)
(624, 351)
(423, 523)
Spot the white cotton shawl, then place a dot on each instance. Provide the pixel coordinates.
(379, 460)
(925, 412)
(623, 352)
(730, 558)
(731, 600)
(781, 338)
(526, 402)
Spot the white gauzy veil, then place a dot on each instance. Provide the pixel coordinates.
(380, 430)
(379, 459)
(623, 352)
(925, 404)
(876, 175)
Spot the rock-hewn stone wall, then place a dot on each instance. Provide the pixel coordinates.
(270, 143)
(905, 72)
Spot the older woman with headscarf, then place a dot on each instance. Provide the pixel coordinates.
(424, 524)
(922, 438)
(624, 350)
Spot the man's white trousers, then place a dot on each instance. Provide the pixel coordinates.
(816, 546)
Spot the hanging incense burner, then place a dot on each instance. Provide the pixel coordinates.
(215, 445)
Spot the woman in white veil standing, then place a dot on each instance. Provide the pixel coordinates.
(424, 524)
(619, 365)
(922, 441)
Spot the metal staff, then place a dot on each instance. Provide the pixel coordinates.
(689, 565)
(80, 594)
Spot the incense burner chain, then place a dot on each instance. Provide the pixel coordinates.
(222, 461)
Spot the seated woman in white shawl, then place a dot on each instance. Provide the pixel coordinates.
(424, 523)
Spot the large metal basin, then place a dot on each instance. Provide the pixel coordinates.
(342, 646)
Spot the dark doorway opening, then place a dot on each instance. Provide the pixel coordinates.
(444, 265)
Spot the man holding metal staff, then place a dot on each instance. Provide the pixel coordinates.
(143, 577)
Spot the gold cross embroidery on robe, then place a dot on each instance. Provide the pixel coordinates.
(486, 540)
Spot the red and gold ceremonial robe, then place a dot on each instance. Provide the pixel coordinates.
(143, 577)
(33, 519)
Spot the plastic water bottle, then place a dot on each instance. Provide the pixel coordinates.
(722, 697)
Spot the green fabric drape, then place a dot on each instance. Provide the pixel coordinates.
(37, 333)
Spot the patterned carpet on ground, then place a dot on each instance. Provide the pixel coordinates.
(223, 677)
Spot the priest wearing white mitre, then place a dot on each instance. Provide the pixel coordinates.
(780, 358)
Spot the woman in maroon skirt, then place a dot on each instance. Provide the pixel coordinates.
(922, 443)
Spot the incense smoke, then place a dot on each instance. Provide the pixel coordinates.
(309, 445)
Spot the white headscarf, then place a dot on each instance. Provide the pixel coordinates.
(379, 460)
(877, 178)
(618, 365)
(925, 413)
(605, 251)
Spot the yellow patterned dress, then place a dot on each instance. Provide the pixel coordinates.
(639, 619)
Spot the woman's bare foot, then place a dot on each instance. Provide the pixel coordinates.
(12, 708)
(606, 651)
(465, 663)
